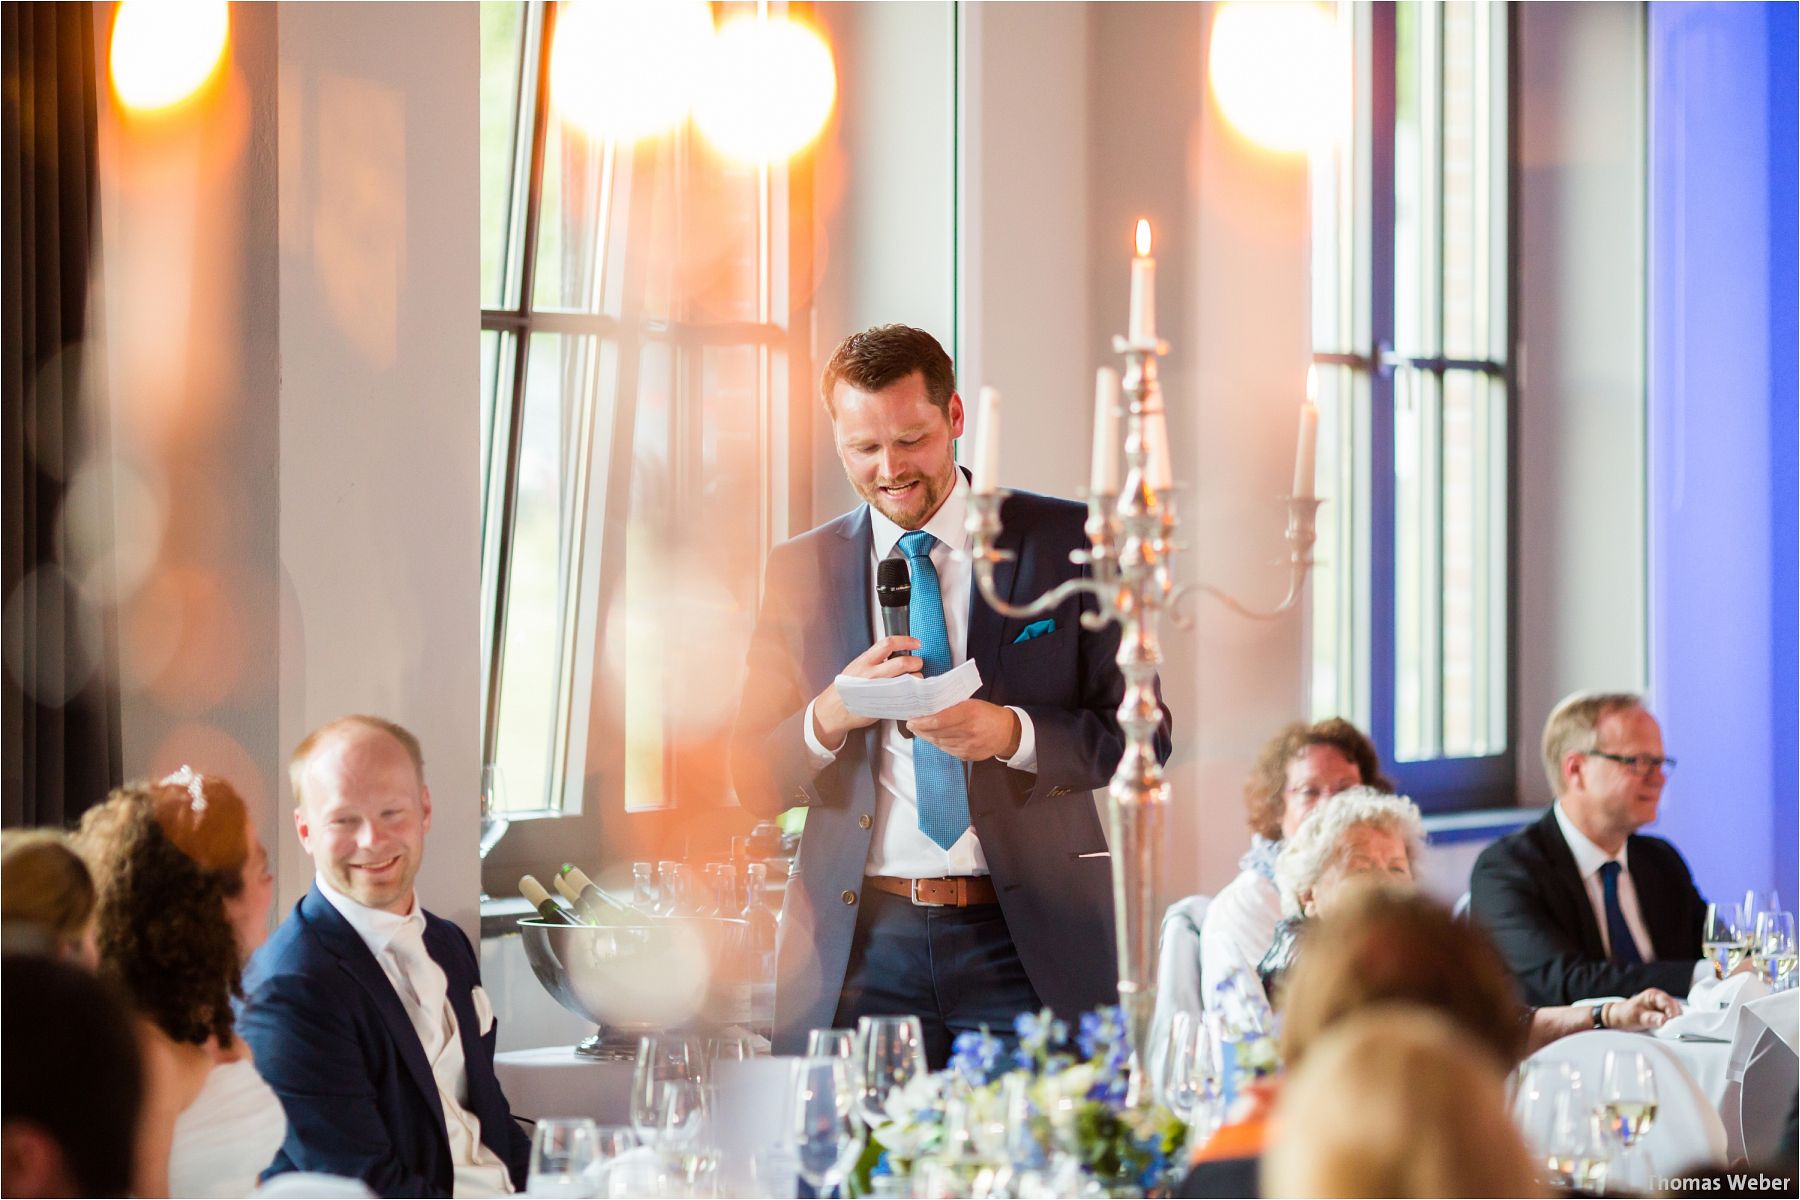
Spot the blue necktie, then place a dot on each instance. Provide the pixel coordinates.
(1618, 934)
(939, 786)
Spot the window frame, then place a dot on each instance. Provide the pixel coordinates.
(1370, 684)
(585, 808)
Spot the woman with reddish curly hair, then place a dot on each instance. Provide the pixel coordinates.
(184, 895)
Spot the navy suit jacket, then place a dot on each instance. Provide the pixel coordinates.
(1527, 892)
(1040, 832)
(332, 1037)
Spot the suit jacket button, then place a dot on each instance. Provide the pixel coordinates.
(864, 821)
(849, 897)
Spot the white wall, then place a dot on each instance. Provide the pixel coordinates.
(187, 312)
(380, 425)
(1078, 120)
(290, 316)
(1580, 586)
(885, 203)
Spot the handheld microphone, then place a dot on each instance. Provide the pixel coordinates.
(893, 587)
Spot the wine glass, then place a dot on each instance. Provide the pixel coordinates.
(1773, 948)
(831, 1043)
(610, 1143)
(1189, 1085)
(826, 1137)
(1627, 1101)
(494, 823)
(892, 1054)
(663, 1062)
(1721, 940)
(564, 1151)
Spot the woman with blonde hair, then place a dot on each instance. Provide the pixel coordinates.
(46, 897)
(1429, 1116)
(185, 892)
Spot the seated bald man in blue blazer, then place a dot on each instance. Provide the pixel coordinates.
(365, 1012)
(960, 873)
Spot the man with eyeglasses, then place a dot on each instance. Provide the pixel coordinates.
(1579, 902)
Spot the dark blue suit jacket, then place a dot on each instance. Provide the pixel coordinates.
(1040, 832)
(332, 1038)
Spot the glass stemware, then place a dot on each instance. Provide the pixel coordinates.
(663, 1062)
(1773, 949)
(1723, 940)
(494, 822)
(1626, 1104)
(827, 1138)
(891, 1053)
(1190, 1082)
(564, 1153)
(832, 1043)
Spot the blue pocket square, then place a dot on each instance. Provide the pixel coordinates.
(1035, 629)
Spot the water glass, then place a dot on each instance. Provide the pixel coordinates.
(564, 1152)
(826, 1136)
(730, 1047)
(890, 1054)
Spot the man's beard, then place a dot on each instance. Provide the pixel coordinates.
(913, 510)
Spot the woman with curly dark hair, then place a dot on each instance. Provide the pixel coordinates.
(184, 895)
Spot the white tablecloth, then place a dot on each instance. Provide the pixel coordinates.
(552, 1082)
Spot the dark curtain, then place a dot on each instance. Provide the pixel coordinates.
(61, 719)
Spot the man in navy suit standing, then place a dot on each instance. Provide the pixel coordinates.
(960, 873)
(364, 1011)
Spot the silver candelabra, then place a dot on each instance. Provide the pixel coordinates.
(1130, 561)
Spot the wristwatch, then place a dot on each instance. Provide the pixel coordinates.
(1599, 1011)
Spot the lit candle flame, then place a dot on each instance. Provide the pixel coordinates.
(1143, 237)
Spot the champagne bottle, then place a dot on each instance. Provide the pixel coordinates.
(594, 904)
(547, 908)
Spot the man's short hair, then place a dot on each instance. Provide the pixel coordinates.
(1574, 725)
(304, 751)
(875, 358)
(69, 1067)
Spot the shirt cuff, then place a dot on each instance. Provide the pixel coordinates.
(1025, 757)
(821, 757)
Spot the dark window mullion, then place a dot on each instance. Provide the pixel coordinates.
(521, 357)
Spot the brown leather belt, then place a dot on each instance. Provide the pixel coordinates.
(956, 891)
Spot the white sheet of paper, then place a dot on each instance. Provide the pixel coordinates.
(909, 696)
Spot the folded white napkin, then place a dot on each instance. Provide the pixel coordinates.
(1712, 1009)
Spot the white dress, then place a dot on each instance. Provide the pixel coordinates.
(228, 1135)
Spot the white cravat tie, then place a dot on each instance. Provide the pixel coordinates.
(430, 987)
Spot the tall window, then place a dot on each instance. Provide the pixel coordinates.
(1413, 346)
(644, 357)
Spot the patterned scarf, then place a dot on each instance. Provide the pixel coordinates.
(1260, 857)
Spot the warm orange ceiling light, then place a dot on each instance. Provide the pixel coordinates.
(163, 51)
(1277, 72)
(626, 69)
(767, 90)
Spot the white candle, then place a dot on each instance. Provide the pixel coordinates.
(1157, 469)
(1142, 326)
(1305, 454)
(987, 441)
(1105, 478)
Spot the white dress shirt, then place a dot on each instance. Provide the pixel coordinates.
(897, 847)
(397, 942)
(1589, 858)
